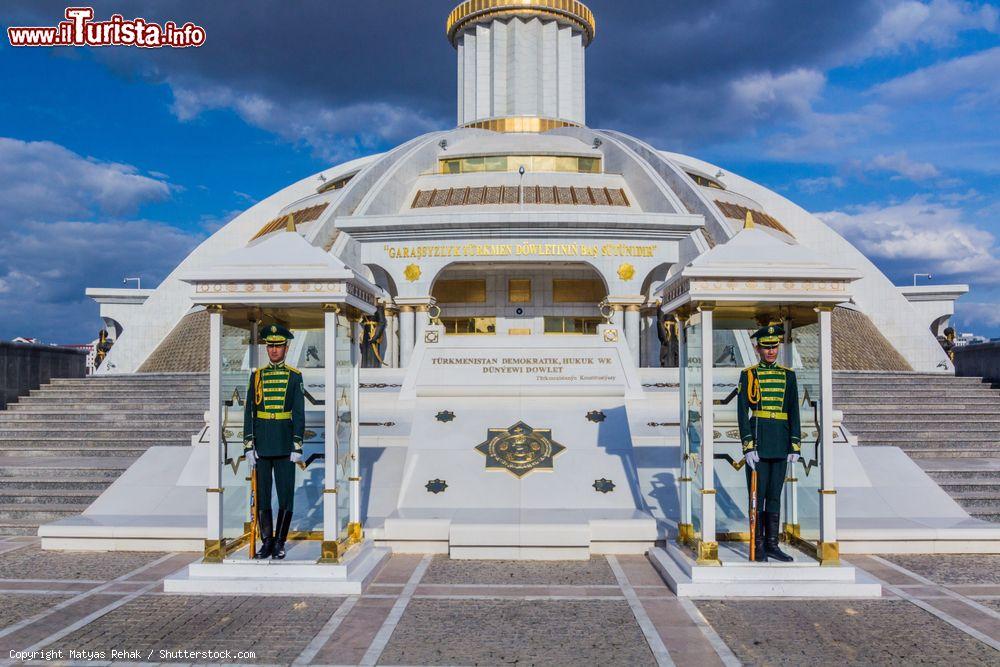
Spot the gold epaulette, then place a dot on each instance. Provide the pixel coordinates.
(293, 369)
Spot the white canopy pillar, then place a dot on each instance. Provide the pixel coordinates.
(215, 548)
(828, 549)
(632, 331)
(708, 547)
(330, 548)
(354, 532)
(685, 529)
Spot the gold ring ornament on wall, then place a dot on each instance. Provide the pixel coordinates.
(519, 449)
(626, 272)
(434, 312)
(570, 12)
(412, 273)
(607, 311)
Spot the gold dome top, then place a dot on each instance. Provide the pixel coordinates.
(566, 11)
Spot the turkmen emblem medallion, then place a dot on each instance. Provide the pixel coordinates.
(519, 449)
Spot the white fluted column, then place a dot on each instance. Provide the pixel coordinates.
(423, 318)
(391, 337)
(632, 331)
(406, 335)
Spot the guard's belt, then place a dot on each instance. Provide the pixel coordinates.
(280, 416)
(770, 414)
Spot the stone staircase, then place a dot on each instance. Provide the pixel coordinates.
(949, 425)
(66, 442)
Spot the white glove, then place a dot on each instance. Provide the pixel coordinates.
(251, 457)
(295, 457)
(752, 459)
(793, 457)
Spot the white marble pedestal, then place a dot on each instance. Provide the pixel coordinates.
(737, 577)
(297, 574)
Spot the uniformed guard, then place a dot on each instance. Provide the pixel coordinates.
(273, 426)
(768, 413)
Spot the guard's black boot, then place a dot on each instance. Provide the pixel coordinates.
(772, 538)
(760, 549)
(266, 527)
(284, 521)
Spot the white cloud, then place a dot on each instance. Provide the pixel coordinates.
(985, 314)
(901, 165)
(910, 24)
(43, 180)
(974, 78)
(765, 94)
(334, 133)
(927, 235)
(820, 184)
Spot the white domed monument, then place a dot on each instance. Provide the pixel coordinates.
(537, 300)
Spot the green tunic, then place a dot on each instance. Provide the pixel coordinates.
(274, 417)
(769, 422)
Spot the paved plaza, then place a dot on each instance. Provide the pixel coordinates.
(423, 610)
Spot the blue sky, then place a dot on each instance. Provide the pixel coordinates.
(880, 116)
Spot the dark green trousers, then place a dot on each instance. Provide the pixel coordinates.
(283, 472)
(770, 480)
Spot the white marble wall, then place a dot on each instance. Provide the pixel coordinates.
(520, 67)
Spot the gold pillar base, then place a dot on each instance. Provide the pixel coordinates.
(792, 531)
(354, 532)
(685, 533)
(330, 552)
(828, 553)
(707, 553)
(214, 551)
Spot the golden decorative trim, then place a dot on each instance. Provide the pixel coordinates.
(685, 479)
(707, 553)
(520, 124)
(823, 307)
(354, 532)
(627, 272)
(329, 490)
(572, 12)
(791, 479)
(214, 308)
(827, 492)
(331, 307)
(211, 490)
(685, 533)
(707, 492)
(732, 536)
(306, 535)
(353, 479)
(792, 531)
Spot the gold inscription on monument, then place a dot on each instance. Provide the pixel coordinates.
(523, 249)
(519, 449)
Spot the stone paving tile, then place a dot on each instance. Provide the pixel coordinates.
(952, 568)
(398, 569)
(828, 632)
(276, 628)
(54, 622)
(446, 571)
(495, 632)
(19, 606)
(33, 563)
(351, 640)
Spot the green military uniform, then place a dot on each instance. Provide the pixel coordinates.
(273, 427)
(768, 414)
